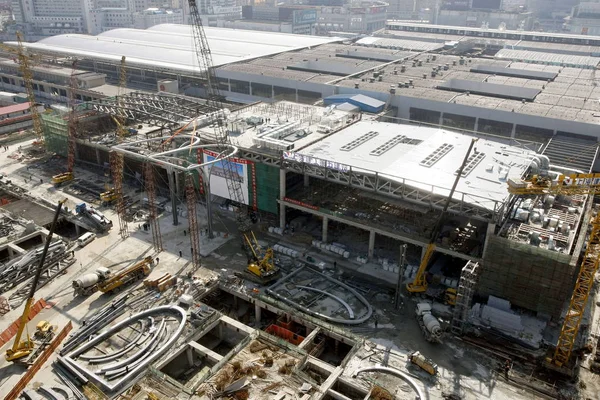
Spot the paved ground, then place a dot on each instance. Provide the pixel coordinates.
(463, 370)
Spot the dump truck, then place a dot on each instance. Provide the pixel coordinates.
(429, 324)
(422, 362)
(104, 281)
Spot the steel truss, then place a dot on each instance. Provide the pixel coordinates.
(400, 189)
(159, 109)
(151, 193)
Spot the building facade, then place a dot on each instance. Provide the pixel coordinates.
(360, 17)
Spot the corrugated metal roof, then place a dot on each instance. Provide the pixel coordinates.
(171, 46)
(551, 58)
(14, 108)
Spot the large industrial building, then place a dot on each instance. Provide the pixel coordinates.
(346, 152)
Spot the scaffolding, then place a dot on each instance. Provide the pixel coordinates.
(190, 195)
(117, 161)
(72, 124)
(464, 296)
(151, 194)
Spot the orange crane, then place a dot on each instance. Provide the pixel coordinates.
(117, 161)
(223, 142)
(586, 184)
(419, 284)
(72, 131)
(25, 61)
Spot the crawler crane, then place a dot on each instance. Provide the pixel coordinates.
(234, 186)
(586, 184)
(419, 284)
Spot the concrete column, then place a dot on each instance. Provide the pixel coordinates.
(371, 244)
(190, 356)
(98, 160)
(490, 231)
(441, 119)
(77, 230)
(476, 124)
(257, 311)
(282, 190)
(513, 131)
(306, 181)
(325, 228)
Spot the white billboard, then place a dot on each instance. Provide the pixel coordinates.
(218, 183)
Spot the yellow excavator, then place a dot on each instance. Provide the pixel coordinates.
(23, 348)
(419, 284)
(261, 265)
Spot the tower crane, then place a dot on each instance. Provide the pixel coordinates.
(71, 130)
(117, 161)
(25, 61)
(419, 284)
(234, 186)
(585, 184)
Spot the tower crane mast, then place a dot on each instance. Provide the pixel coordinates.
(25, 67)
(586, 184)
(207, 74)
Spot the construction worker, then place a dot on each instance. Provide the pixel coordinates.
(506, 368)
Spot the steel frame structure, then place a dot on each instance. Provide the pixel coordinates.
(159, 109)
(151, 193)
(401, 189)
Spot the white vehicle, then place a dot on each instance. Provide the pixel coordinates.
(85, 239)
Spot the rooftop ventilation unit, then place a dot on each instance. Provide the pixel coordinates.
(473, 161)
(396, 140)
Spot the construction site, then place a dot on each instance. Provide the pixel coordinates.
(158, 245)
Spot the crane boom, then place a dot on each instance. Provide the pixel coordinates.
(25, 67)
(419, 284)
(20, 348)
(207, 72)
(585, 184)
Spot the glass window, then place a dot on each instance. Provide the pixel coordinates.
(239, 86)
(458, 121)
(422, 115)
(525, 132)
(262, 90)
(63, 92)
(308, 97)
(494, 127)
(283, 93)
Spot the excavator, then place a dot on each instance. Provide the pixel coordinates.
(23, 348)
(419, 284)
(261, 264)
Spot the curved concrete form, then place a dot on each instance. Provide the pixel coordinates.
(342, 302)
(116, 354)
(352, 321)
(396, 372)
(156, 339)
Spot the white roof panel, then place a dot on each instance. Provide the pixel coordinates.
(171, 46)
(404, 162)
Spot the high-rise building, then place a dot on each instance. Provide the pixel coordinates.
(50, 17)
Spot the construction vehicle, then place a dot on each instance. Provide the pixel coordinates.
(24, 348)
(450, 296)
(261, 264)
(419, 284)
(95, 217)
(108, 197)
(584, 184)
(59, 179)
(44, 330)
(102, 280)
(424, 363)
(428, 323)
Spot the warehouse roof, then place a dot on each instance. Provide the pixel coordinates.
(170, 46)
(14, 108)
(426, 158)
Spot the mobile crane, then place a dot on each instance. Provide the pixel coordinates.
(207, 73)
(585, 184)
(419, 284)
(24, 348)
